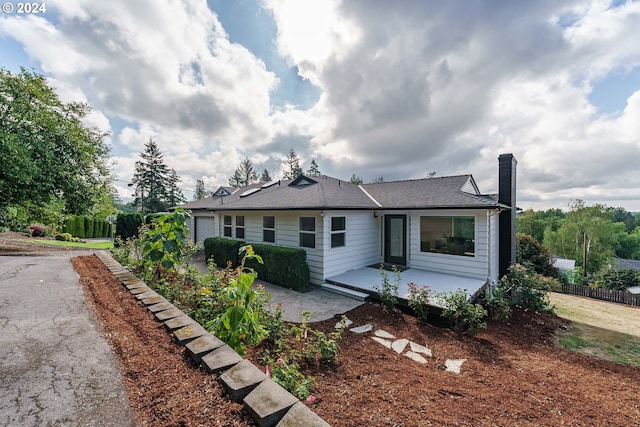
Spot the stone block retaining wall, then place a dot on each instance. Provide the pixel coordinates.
(268, 403)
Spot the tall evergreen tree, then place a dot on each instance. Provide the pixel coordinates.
(292, 166)
(265, 177)
(355, 179)
(175, 196)
(201, 192)
(244, 174)
(152, 180)
(313, 169)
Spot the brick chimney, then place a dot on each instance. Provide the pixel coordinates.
(507, 220)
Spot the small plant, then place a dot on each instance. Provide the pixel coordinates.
(66, 237)
(388, 290)
(465, 317)
(240, 324)
(497, 301)
(419, 300)
(286, 373)
(163, 242)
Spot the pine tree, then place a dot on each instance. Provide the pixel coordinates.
(151, 180)
(265, 177)
(313, 169)
(201, 192)
(355, 179)
(292, 166)
(174, 193)
(244, 174)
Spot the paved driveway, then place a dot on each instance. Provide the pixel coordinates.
(55, 367)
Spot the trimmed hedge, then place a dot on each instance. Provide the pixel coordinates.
(283, 266)
(82, 227)
(127, 225)
(222, 250)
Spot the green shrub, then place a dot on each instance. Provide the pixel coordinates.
(127, 225)
(388, 291)
(153, 217)
(419, 297)
(614, 278)
(497, 301)
(66, 237)
(528, 288)
(79, 227)
(283, 266)
(88, 227)
(222, 250)
(465, 317)
(531, 254)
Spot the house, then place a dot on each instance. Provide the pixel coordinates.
(442, 225)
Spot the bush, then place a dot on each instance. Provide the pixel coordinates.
(614, 278)
(388, 291)
(283, 266)
(79, 227)
(222, 251)
(36, 230)
(531, 254)
(127, 225)
(66, 237)
(528, 288)
(465, 317)
(419, 300)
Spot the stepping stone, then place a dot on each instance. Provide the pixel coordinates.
(362, 329)
(417, 348)
(178, 322)
(189, 333)
(201, 346)
(384, 334)
(161, 306)
(415, 357)
(399, 345)
(220, 359)
(453, 365)
(301, 416)
(169, 314)
(268, 403)
(382, 341)
(242, 379)
(347, 323)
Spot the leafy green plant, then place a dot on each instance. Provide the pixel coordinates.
(497, 301)
(529, 289)
(465, 317)
(419, 300)
(388, 290)
(164, 241)
(240, 324)
(287, 374)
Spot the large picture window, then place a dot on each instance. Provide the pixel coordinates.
(307, 232)
(338, 231)
(269, 229)
(452, 235)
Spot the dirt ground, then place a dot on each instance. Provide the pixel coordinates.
(514, 373)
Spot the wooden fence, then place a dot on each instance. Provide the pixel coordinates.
(622, 297)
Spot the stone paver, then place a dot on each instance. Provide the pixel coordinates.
(220, 359)
(454, 365)
(268, 403)
(241, 379)
(399, 345)
(189, 333)
(415, 357)
(384, 334)
(168, 314)
(362, 329)
(202, 345)
(382, 341)
(301, 416)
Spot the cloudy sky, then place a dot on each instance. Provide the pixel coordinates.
(376, 88)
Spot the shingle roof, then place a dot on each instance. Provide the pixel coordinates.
(324, 192)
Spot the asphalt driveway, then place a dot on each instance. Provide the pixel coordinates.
(56, 369)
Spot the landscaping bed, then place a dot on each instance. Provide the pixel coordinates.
(514, 373)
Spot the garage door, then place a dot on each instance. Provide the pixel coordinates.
(204, 228)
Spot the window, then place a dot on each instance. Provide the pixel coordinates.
(307, 232)
(239, 226)
(338, 231)
(269, 229)
(227, 226)
(453, 235)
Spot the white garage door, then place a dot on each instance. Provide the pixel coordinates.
(204, 228)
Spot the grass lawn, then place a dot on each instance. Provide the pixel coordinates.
(89, 245)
